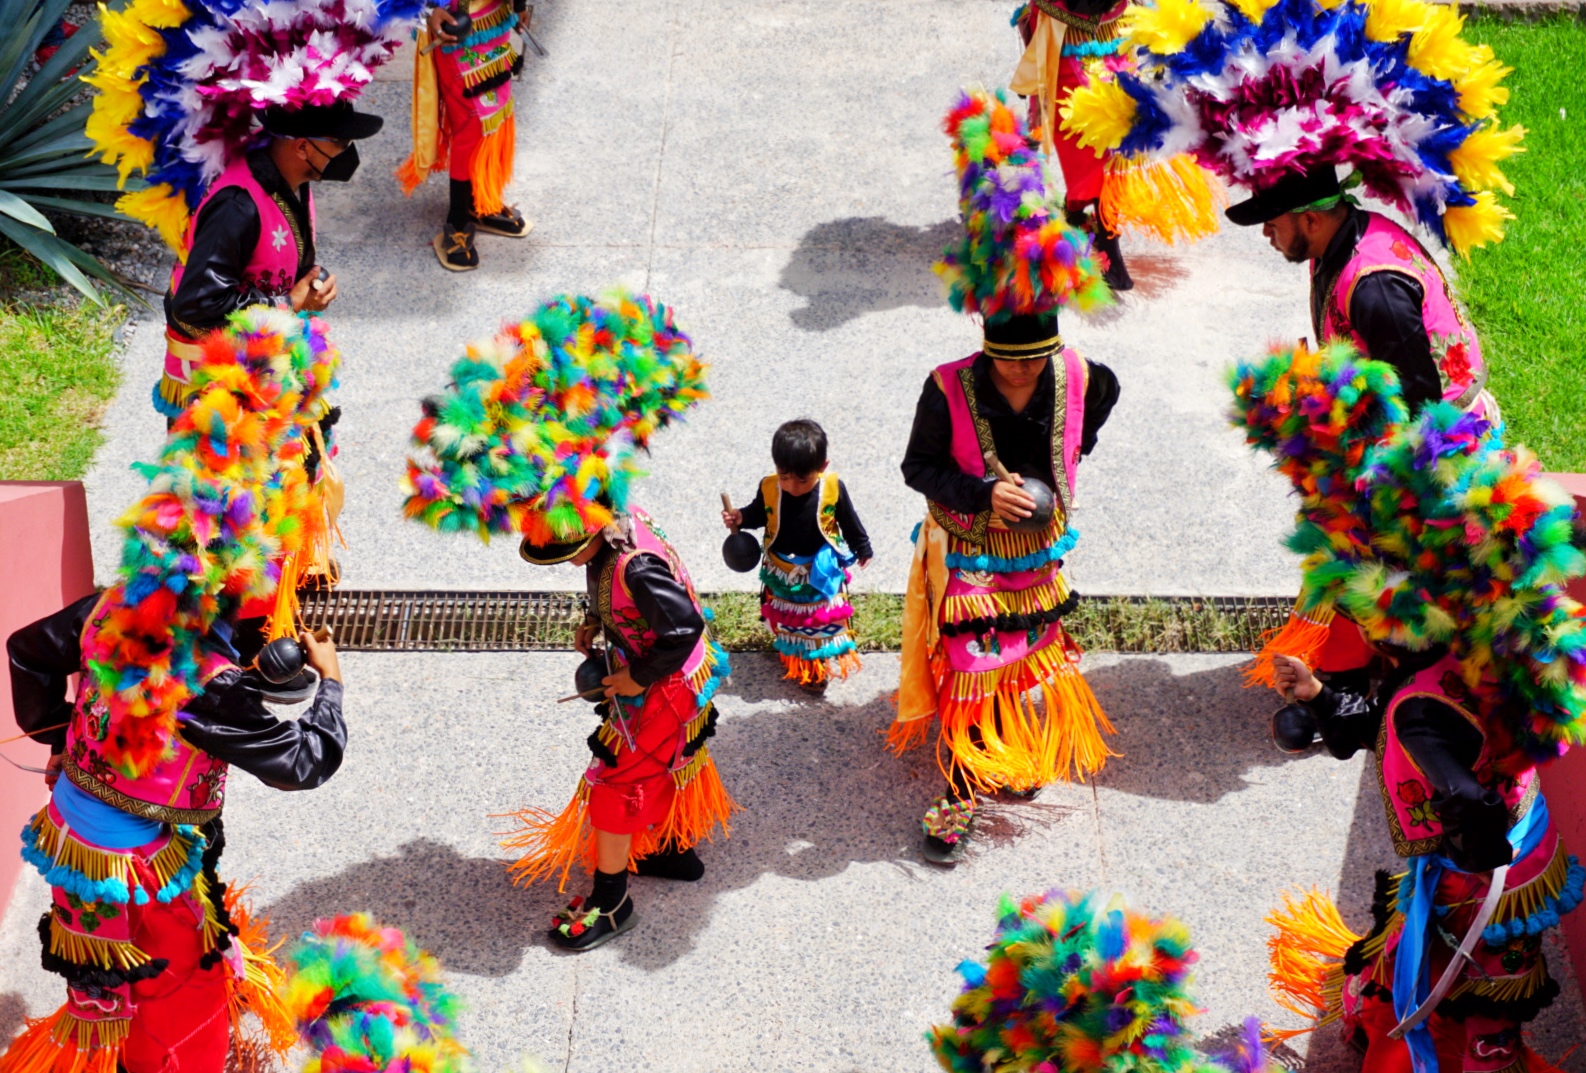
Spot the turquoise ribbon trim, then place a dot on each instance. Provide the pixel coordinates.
(996, 564)
(73, 882)
(718, 674)
(1018, 13)
(1094, 49)
(827, 651)
(163, 408)
(182, 881)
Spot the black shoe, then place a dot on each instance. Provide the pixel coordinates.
(508, 222)
(455, 249)
(683, 865)
(1024, 795)
(575, 930)
(947, 824)
(1117, 273)
(1294, 729)
(816, 689)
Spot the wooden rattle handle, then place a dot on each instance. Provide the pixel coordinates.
(998, 468)
(726, 501)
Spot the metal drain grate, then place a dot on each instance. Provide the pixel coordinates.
(367, 620)
(413, 621)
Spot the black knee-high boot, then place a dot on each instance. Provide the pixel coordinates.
(461, 209)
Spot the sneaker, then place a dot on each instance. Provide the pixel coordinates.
(455, 249)
(509, 222)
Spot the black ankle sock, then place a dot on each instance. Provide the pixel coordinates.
(673, 864)
(462, 204)
(609, 891)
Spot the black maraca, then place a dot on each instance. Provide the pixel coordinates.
(741, 551)
(1036, 489)
(280, 661)
(459, 26)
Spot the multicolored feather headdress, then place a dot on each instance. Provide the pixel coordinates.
(1433, 534)
(227, 499)
(367, 999)
(182, 80)
(1018, 255)
(538, 431)
(1081, 984)
(1258, 91)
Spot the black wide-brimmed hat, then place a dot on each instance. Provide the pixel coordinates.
(1023, 337)
(551, 554)
(337, 120)
(1290, 193)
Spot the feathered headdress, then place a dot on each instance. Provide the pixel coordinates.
(367, 999)
(182, 80)
(1259, 91)
(538, 430)
(227, 499)
(1436, 535)
(1018, 255)
(1082, 984)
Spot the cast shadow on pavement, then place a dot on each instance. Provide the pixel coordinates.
(847, 268)
(13, 1013)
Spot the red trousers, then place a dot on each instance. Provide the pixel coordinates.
(637, 793)
(461, 121)
(1082, 168)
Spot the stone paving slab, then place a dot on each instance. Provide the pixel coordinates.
(776, 171)
(817, 941)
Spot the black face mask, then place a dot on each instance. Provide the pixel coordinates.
(339, 168)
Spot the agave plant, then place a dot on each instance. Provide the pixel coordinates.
(43, 161)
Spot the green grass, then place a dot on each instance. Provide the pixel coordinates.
(1527, 295)
(56, 377)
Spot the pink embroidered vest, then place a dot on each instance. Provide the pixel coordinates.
(617, 610)
(272, 268)
(973, 593)
(187, 787)
(1387, 247)
(1407, 792)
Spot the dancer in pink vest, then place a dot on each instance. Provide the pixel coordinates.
(251, 239)
(984, 649)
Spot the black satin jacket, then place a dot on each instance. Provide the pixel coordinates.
(666, 607)
(1023, 440)
(228, 720)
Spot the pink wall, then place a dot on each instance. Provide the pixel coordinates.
(45, 564)
(1564, 782)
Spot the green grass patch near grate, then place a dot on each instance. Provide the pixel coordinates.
(57, 376)
(1524, 294)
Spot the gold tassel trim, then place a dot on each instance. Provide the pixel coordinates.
(703, 673)
(1031, 601)
(60, 1043)
(1302, 637)
(491, 19)
(173, 857)
(1522, 901)
(96, 864)
(1006, 543)
(1305, 953)
(1022, 747)
(82, 949)
(1505, 988)
(488, 70)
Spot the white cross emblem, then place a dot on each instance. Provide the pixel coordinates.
(278, 237)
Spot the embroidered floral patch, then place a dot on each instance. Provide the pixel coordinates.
(1413, 794)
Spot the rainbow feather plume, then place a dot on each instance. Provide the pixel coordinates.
(1258, 90)
(180, 82)
(1017, 254)
(367, 1000)
(538, 431)
(227, 497)
(1082, 984)
(1430, 532)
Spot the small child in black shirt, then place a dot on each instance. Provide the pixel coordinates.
(812, 537)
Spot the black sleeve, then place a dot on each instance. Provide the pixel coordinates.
(1386, 310)
(754, 513)
(42, 657)
(671, 615)
(229, 720)
(1101, 395)
(928, 465)
(1445, 746)
(851, 527)
(212, 283)
(1348, 721)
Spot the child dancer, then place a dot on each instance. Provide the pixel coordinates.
(812, 536)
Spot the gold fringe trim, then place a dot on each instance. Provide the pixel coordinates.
(82, 949)
(1302, 637)
(811, 671)
(703, 673)
(1529, 898)
(1505, 988)
(1167, 200)
(491, 19)
(1030, 601)
(96, 864)
(1305, 953)
(488, 70)
(1006, 543)
(1022, 747)
(60, 1043)
(173, 857)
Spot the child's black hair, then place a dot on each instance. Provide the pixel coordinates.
(799, 447)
